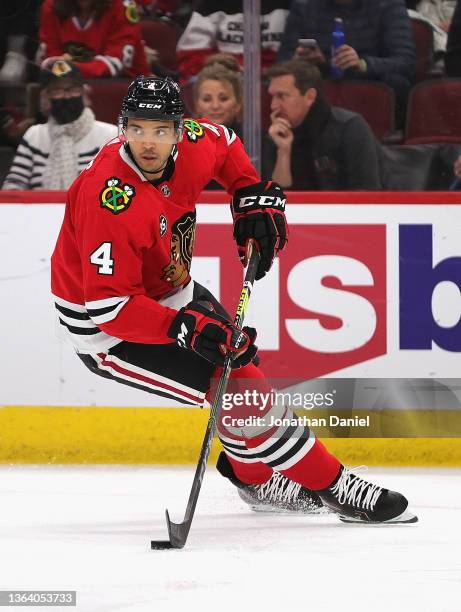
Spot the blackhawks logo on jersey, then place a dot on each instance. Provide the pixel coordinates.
(131, 11)
(115, 196)
(194, 131)
(181, 247)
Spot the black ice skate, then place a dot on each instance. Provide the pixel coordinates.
(359, 501)
(279, 494)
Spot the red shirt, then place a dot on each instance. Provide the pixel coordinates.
(109, 46)
(125, 243)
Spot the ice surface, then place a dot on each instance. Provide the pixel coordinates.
(89, 529)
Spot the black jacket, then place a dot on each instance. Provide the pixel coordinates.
(333, 150)
(453, 54)
(379, 30)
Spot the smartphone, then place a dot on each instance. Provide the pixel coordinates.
(308, 43)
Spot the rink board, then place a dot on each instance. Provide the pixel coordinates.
(173, 436)
(56, 411)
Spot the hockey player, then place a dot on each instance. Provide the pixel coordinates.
(126, 302)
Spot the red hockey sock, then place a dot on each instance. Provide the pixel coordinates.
(291, 449)
(316, 470)
(250, 473)
(247, 378)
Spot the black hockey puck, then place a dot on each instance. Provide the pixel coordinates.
(160, 544)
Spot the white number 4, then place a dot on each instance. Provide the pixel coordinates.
(101, 257)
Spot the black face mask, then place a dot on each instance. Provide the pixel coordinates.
(66, 110)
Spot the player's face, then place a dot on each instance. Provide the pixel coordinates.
(151, 142)
(217, 101)
(288, 102)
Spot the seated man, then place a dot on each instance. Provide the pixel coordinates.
(51, 155)
(311, 145)
(379, 42)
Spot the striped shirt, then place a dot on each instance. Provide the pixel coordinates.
(33, 151)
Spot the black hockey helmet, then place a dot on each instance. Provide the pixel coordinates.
(153, 98)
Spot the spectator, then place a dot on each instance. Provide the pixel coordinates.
(379, 39)
(218, 92)
(453, 54)
(102, 37)
(311, 145)
(51, 155)
(439, 14)
(218, 27)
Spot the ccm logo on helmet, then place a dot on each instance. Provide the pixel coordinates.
(262, 200)
(147, 105)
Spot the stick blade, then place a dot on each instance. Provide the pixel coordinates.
(160, 545)
(178, 532)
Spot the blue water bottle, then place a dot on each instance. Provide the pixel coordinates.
(338, 38)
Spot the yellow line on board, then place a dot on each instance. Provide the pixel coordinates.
(58, 435)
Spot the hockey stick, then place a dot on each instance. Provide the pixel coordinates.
(178, 532)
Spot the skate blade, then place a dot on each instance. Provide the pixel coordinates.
(261, 509)
(401, 519)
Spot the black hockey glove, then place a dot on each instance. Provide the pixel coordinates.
(211, 335)
(259, 215)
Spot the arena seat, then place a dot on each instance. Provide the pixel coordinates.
(162, 36)
(424, 41)
(434, 112)
(106, 97)
(374, 101)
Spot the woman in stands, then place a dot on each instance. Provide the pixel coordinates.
(218, 91)
(102, 37)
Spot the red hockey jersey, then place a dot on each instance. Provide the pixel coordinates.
(106, 47)
(125, 244)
